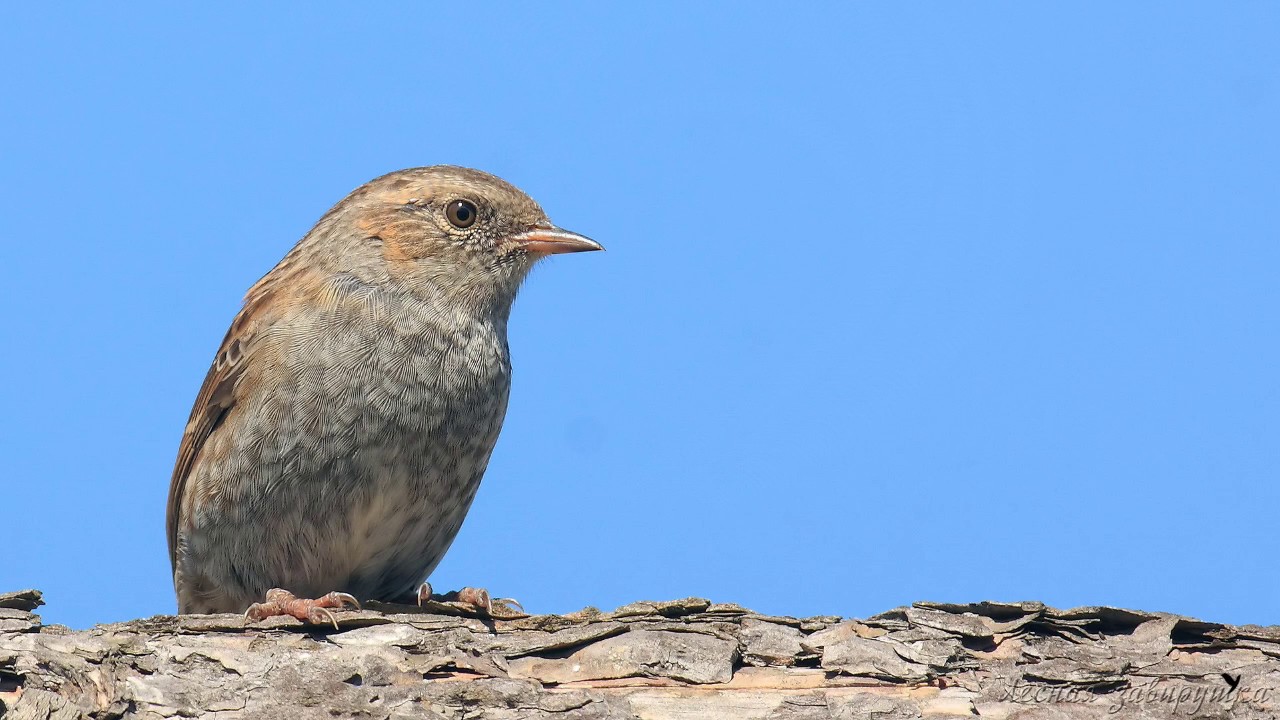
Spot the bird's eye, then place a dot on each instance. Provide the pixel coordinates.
(461, 213)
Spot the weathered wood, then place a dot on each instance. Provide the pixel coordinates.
(679, 659)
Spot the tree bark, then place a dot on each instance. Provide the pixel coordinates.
(682, 659)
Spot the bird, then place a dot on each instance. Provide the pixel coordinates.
(340, 436)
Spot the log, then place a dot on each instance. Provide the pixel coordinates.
(686, 658)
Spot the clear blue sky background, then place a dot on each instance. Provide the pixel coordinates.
(902, 301)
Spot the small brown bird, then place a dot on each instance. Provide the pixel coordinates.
(340, 436)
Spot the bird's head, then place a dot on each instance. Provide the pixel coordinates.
(442, 230)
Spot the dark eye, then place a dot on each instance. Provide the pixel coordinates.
(462, 213)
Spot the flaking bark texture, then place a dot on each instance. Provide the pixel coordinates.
(681, 659)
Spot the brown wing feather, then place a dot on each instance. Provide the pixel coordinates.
(216, 398)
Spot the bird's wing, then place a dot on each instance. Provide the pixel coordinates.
(218, 394)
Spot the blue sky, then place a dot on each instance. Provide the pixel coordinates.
(902, 301)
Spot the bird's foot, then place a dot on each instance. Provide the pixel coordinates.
(283, 602)
(474, 600)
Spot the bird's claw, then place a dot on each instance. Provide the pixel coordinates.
(317, 615)
(477, 598)
(315, 612)
(473, 600)
(509, 602)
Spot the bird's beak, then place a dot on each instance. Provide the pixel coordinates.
(551, 240)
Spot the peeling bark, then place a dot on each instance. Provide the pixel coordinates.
(680, 659)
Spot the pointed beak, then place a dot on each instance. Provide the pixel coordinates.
(551, 240)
